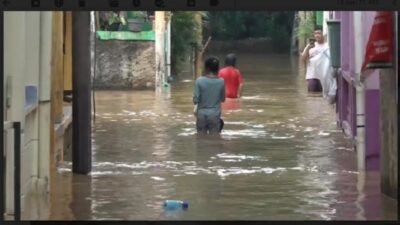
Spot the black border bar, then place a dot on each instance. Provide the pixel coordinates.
(2, 150)
(209, 5)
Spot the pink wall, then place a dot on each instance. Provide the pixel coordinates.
(372, 81)
(347, 42)
(347, 96)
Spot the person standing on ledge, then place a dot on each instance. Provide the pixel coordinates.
(209, 93)
(313, 48)
(232, 77)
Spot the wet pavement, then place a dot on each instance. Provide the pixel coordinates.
(280, 157)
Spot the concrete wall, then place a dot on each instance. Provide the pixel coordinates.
(44, 99)
(389, 125)
(14, 74)
(372, 103)
(125, 65)
(389, 129)
(27, 62)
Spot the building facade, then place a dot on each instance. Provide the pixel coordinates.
(33, 94)
(364, 106)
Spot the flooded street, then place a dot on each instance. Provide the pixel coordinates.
(280, 157)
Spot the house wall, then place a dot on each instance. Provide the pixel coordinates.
(380, 104)
(389, 133)
(125, 64)
(14, 52)
(347, 82)
(389, 126)
(372, 103)
(26, 63)
(346, 89)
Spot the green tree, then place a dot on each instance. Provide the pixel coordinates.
(183, 32)
(249, 24)
(306, 27)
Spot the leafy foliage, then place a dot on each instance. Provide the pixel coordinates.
(248, 24)
(224, 25)
(306, 28)
(184, 31)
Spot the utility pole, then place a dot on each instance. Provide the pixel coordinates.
(81, 104)
(159, 47)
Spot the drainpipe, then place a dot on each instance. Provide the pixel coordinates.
(360, 89)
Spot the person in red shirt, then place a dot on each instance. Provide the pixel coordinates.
(232, 77)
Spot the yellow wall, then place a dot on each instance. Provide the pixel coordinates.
(57, 65)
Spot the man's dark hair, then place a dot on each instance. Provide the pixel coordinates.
(212, 65)
(230, 60)
(318, 27)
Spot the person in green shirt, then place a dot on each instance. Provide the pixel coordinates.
(115, 20)
(209, 93)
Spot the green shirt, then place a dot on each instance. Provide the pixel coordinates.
(114, 18)
(208, 95)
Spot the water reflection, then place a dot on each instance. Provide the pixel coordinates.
(280, 156)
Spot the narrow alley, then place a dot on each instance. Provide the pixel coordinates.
(99, 119)
(280, 156)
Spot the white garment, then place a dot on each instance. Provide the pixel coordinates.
(313, 52)
(325, 74)
(195, 110)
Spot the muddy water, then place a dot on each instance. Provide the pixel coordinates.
(280, 156)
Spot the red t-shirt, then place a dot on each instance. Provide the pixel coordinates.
(233, 79)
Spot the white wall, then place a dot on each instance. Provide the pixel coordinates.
(160, 26)
(14, 59)
(44, 99)
(29, 154)
(27, 62)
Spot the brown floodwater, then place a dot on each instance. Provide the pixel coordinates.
(280, 156)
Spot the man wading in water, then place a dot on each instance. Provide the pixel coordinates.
(209, 93)
(232, 77)
(315, 47)
(233, 83)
